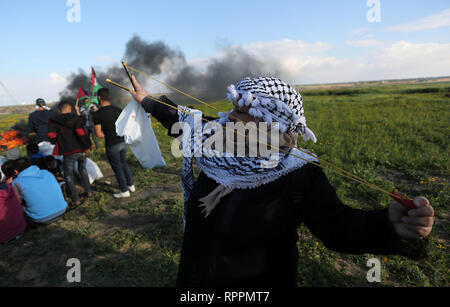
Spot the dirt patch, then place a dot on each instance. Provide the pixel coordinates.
(158, 189)
(396, 176)
(401, 180)
(121, 219)
(167, 188)
(29, 271)
(106, 169)
(347, 267)
(169, 171)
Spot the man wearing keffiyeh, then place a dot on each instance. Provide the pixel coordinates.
(242, 218)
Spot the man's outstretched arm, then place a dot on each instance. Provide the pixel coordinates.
(166, 115)
(162, 108)
(343, 229)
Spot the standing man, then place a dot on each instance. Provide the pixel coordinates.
(116, 149)
(66, 131)
(242, 218)
(38, 121)
(87, 111)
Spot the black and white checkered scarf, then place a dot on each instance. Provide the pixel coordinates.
(272, 100)
(269, 99)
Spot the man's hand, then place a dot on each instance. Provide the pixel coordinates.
(412, 224)
(140, 93)
(87, 152)
(77, 108)
(8, 180)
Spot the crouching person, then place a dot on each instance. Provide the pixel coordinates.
(39, 191)
(12, 222)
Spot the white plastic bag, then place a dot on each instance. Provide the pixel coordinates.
(136, 127)
(2, 160)
(46, 148)
(94, 172)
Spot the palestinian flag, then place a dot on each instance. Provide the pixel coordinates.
(81, 93)
(81, 96)
(95, 86)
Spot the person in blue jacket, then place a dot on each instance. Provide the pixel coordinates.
(39, 191)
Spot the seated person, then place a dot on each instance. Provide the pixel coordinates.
(13, 154)
(36, 157)
(55, 167)
(12, 223)
(38, 189)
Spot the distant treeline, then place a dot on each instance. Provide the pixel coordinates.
(427, 90)
(338, 92)
(372, 90)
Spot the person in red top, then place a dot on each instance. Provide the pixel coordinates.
(66, 131)
(12, 222)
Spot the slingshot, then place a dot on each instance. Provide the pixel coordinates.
(403, 200)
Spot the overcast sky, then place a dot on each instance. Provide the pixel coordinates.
(316, 41)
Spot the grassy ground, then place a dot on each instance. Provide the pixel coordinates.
(389, 135)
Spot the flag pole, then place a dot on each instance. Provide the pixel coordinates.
(92, 80)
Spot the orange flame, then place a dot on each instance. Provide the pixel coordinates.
(10, 139)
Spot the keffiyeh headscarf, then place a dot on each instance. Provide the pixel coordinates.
(269, 99)
(272, 100)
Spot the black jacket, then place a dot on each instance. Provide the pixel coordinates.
(38, 123)
(67, 133)
(250, 238)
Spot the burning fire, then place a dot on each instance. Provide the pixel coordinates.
(10, 139)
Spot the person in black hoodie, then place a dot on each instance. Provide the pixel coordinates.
(66, 131)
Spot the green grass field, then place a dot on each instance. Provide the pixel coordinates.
(389, 135)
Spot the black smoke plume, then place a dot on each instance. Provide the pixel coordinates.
(24, 131)
(220, 73)
(159, 60)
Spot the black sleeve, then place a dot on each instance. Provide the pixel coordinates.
(166, 112)
(347, 230)
(162, 112)
(83, 138)
(97, 119)
(31, 123)
(52, 132)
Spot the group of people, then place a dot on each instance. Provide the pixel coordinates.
(35, 182)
